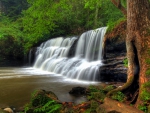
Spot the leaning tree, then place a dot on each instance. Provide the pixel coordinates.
(137, 86)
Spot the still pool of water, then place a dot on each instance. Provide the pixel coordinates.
(17, 84)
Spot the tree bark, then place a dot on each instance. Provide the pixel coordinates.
(138, 45)
(138, 22)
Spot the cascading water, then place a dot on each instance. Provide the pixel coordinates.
(52, 56)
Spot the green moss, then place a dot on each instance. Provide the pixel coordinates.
(145, 95)
(111, 24)
(147, 72)
(100, 110)
(97, 96)
(143, 108)
(41, 103)
(146, 85)
(99, 92)
(147, 61)
(119, 96)
(108, 88)
(149, 51)
(94, 105)
(125, 62)
(147, 32)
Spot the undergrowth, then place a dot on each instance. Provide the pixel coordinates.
(119, 96)
(42, 104)
(96, 96)
(145, 97)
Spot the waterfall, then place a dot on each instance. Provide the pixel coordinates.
(52, 56)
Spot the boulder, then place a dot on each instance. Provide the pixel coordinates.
(78, 91)
(41, 95)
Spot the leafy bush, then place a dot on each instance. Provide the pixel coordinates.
(11, 38)
(119, 96)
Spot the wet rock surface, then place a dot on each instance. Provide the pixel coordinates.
(78, 91)
(10, 62)
(113, 69)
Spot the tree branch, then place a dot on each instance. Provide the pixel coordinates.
(117, 3)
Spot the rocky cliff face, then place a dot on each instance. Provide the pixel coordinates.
(114, 53)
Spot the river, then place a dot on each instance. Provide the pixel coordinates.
(17, 84)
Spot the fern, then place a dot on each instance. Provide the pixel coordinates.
(50, 107)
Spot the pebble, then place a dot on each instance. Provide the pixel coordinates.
(9, 110)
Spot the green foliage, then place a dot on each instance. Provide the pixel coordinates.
(11, 38)
(143, 108)
(96, 95)
(94, 88)
(98, 92)
(42, 104)
(145, 95)
(146, 85)
(148, 72)
(93, 106)
(48, 18)
(65, 16)
(148, 61)
(13, 8)
(149, 51)
(124, 3)
(125, 62)
(50, 107)
(108, 88)
(119, 96)
(111, 24)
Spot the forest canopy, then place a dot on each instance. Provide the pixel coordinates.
(30, 22)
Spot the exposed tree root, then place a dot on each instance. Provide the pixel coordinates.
(130, 89)
(124, 87)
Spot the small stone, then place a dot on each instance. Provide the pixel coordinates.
(9, 110)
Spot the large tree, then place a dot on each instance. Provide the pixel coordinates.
(137, 86)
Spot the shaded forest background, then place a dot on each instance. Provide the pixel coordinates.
(26, 23)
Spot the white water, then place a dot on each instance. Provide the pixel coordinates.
(52, 56)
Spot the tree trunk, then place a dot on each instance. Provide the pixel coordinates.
(137, 26)
(138, 51)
